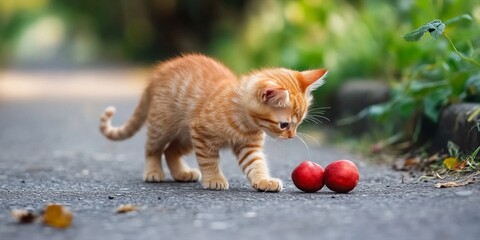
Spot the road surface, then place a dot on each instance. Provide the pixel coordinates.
(51, 151)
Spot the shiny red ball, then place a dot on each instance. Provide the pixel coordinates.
(308, 176)
(341, 176)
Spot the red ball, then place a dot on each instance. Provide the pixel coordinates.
(308, 176)
(341, 176)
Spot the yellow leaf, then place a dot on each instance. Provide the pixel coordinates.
(451, 163)
(58, 216)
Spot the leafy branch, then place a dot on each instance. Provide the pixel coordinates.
(437, 28)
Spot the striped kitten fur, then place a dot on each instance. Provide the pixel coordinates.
(195, 103)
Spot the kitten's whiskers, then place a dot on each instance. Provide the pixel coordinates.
(309, 137)
(309, 151)
(316, 114)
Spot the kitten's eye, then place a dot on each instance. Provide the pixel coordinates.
(283, 125)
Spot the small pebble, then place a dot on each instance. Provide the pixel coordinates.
(159, 198)
(111, 197)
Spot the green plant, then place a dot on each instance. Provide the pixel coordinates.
(452, 76)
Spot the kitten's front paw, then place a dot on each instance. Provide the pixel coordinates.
(268, 185)
(191, 175)
(153, 176)
(215, 183)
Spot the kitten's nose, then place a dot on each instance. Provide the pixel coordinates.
(291, 134)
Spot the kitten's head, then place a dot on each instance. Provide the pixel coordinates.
(278, 99)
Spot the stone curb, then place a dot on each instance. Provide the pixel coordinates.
(460, 125)
(354, 96)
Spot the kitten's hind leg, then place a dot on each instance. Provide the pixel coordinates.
(153, 171)
(178, 168)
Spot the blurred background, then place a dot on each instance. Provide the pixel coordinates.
(359, 41)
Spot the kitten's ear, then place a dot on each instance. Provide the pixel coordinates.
(275, 97)
(312, 79)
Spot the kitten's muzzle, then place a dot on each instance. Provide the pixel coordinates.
(290, 134)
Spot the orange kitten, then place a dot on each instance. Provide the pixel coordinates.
(195, 103)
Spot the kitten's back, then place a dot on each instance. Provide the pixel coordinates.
(191, 69)
(180, 85)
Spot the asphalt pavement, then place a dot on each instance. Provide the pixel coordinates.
(52, 151)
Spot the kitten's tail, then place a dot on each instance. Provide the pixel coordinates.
(133, 124)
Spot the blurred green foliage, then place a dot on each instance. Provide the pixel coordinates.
(353, 39)
(84, 33)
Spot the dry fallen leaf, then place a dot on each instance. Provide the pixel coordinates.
(23, 215)
(455, 183)
(412, 161)
(461, 165)
(433, 158)
(407, 163)
(124, 208)
(56, 215)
